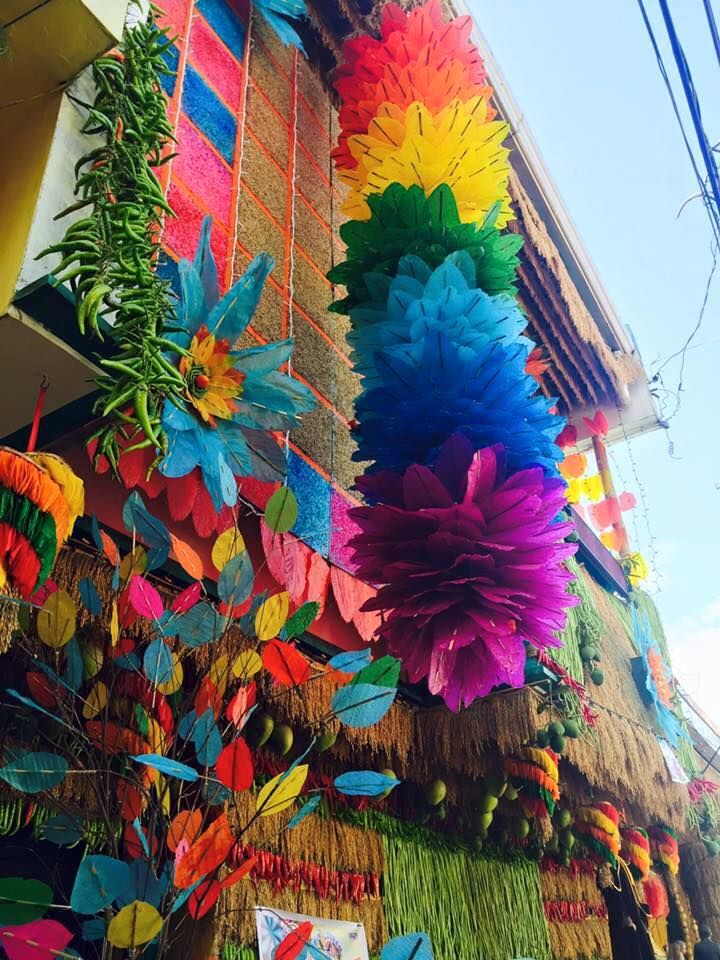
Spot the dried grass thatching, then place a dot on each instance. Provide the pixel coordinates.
(572, 941)
(701, 880)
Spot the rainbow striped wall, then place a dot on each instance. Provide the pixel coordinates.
(267, 182)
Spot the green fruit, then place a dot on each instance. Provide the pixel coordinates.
(597, 676)
(536, 853)
(712, 847)
(564, 819)
(502, 838)
(386, 793)
(553, 844)
(511, 793)
(556, 729)
(496, 783)
(325, 740)
(522, 829)
(434, 793)
(477, 843)
(259, 729)
(567, 839)
(282, 739)
(565, 859)
(558, 743)
(572, 729)
(484, 821)
(488, 803)
(440, 812)
(543, 738)
(589, 652)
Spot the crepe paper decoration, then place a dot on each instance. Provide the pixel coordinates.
(73, 676)
(605, 513)
(110, 549)
(278, 13)
(567, 436)
(664, 848)
(23, 900)
(114, 626)
(89, 596)
(56, 621)
(206, 853)
(136, 841)
(636, 851)
(171, 768)
(95, 701)
(133, 564)
(592, 487)
(228, 545)
(597, 425)
(655, 896)
(138, 519)
(181, 850)
(411, 946)
(144, 885)
(658, 677)
(42, 688)
(187, 599)
(246, 665)
(535, 772)
(140, 833)
(383, 672)
(241, 704)
(612, 540)
(299, 622)
(61, 830)
(627, 501)
(34, 772)
(350, 662)
(208, 697)
(362, 704)
(199, 626)
(175, 682)
(636, 568)
(203, 898)
(271, 616)
(471, 562)
(130, 799)
(364, 783)
(239, 873)
(573, 466)
(34, 706)
(236, 580)
(158, 664)
(206, 739)
(135, 924)
(185, 825)
(234, 767)
(93, 930)
(38, 940)
(282, 791)
(98, 881)
(40, 499)
(310, 805)
(188, 558)
(145, 599)
(597, 826)
(113, 739)
(285, 664)
(294, 942)
(281, 510)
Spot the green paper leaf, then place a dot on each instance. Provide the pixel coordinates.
(281, 511)
(384, 672)
(299, 622)
(22, 900)
(34, 772)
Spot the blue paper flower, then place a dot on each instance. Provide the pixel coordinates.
(277, 13)
(234, 397)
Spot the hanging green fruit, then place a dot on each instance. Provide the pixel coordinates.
(259, 729)
(325, 740)
(597, 677)
(282, 739)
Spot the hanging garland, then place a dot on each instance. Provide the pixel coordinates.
(636, 850)
(535, 773)
(664, 848)
(463, 493)
(597, 826)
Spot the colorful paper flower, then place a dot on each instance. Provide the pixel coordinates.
(469, 563)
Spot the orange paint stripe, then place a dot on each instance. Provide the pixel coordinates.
(261, 206)
(318, 123)
(261, 93)
(271, 58)
(321, 220)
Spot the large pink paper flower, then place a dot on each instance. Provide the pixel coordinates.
(469, 563)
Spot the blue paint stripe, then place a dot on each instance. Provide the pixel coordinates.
(172, 59)
(226, 24)
(209, 113)
(313, 496)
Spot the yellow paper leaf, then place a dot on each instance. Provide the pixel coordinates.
(271, 616)
(220, 673)
(246, 665)
(592, 487)
(176, 680)
(56, 620)
(93, 659)
(133, 564)
(162, 789)
(228, 545)
(95, 701)
(155, 736)
(114, 624)
(278, 794)
(135, 924)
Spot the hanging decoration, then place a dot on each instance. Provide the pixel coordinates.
(220, 429)
(636, 851)
(461, 529)
(278, 14)
(656, 896)
(535, 774)
(658, 677)
(597, 827)
(664, 848)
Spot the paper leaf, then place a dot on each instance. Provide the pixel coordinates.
(281, 510)
(362, 704)
(23, 900)
(99, 880)
(295, 942)
(171, 768)
(285, 663)
(144, 885)
(56, 621)
(219, 673)
(303, 617)
(175, 682)
(280, 792)
(364, 783)
(137, 517)
(240, 873)
(93, 930)
(241, 705)
(89, 596)
(627, 501)
(38, 940)
(34, 772)
(199, 626)
(228, 545)
(134, 925)
(206, 854)
(145, 599)
(75, 668)
(206, 739)
(110, 549)
(188, 558)
(114, 624)
(204, 898)
(187, 599)
(96, 701)
(234, 767)
(305, 810)
(158, 663)
(271, 616)
(350, 662)
(186, 825)
(62, 830)
(411, 946)
(236, 580)
(42, 688)
(384, 672)
(246, 665)
(34, 706)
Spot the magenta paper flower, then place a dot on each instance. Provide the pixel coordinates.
(470, 566)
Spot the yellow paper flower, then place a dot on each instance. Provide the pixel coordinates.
(636, 569)
(457, 146)
(592, 487)
(213, 383)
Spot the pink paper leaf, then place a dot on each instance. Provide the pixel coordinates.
(187, 599)
(145, 599)
(39, 940)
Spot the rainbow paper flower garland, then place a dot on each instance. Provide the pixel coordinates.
(460, 531)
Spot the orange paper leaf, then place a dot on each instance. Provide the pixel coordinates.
(188, 559)
(206, 854)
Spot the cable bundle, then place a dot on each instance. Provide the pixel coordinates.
(535, 772)
(664, 848)
(597, 825)
(636, 850)
(463, 495)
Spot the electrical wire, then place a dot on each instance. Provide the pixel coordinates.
(713, 27)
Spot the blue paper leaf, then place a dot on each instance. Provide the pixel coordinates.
(137, 827)
(75, 666)
(171, 768)
(215, 793)
(236, 580)
(157, 557)
(411, 946)
(364, 783)
(351, 662)
(312, 803)
(93, 930)
(95, 533)
(35, 706)
(137, 517)
(115, 582)
(228, 483)
(362, 704)
(199, 626)
(143, 885)
(62, 830)
(89, 596)
(207, 740)
(187, 725)
(98, 882)
(128, 661)
(158, 664)
(34, 772)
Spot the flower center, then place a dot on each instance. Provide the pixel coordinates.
(198, 381)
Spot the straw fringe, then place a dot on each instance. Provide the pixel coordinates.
(573, 941)
(701, 878)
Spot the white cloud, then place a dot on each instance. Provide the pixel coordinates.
(695, 649)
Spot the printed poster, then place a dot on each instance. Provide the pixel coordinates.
(677, 774)
(329, 940)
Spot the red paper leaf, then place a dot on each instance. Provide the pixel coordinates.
(187, 599)
(145, 599)
(207, 698)
(132, 844)
(127, 614)
(237, 875)
(132, 468)
(627, 501)
(296, 563)
(203, 512)
(130, 799)
(234, 767)
(203, 898)
(274, 549)
(206, 854)
(318, 581)
(41, 689)
(188, 558)
(181, 494)
(567, 436)
(294, 943)
(285, 663)
(598, 426)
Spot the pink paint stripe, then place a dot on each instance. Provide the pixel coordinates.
(212, 58)
(203, 170)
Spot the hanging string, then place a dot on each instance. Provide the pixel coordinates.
(37, 415)
(243, 121)
(333, 399)
(293, 197)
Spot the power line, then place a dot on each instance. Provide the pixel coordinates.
(713, 27)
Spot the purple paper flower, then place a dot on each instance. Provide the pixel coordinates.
(469, 562)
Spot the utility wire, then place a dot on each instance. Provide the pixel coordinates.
(713, 27)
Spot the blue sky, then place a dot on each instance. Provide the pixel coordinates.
(587, 83)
